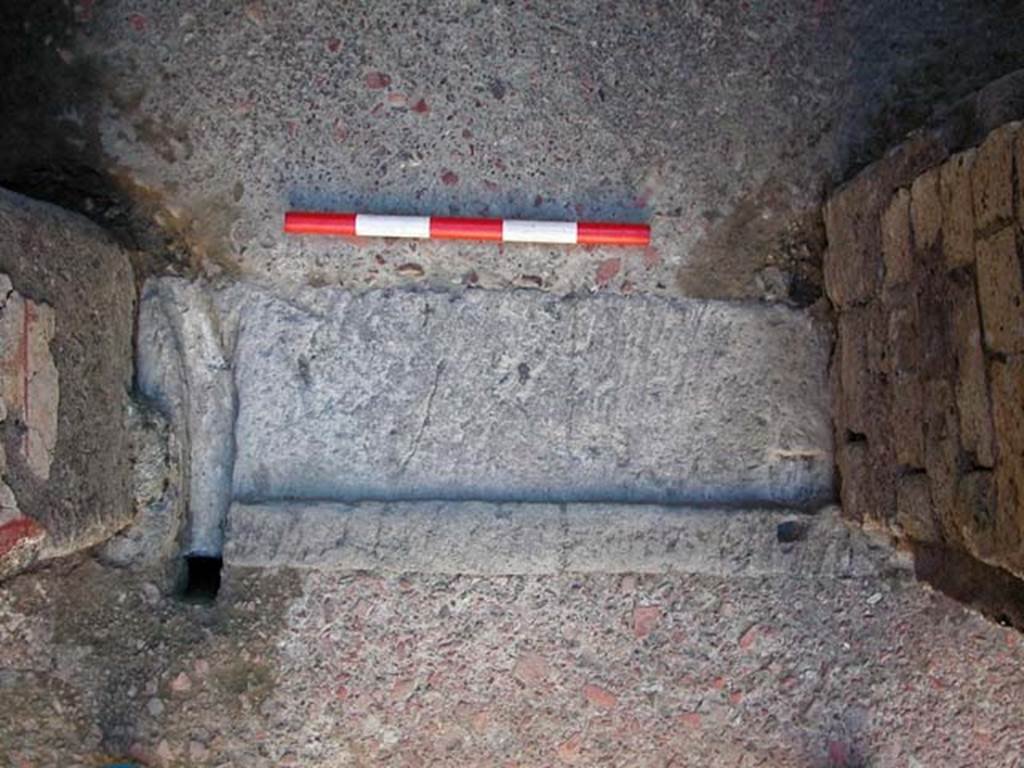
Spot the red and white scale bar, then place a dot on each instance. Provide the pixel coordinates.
(459, 228)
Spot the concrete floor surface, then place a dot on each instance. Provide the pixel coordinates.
(329, 669)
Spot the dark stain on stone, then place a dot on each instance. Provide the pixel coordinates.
(170, 142)
(63, 161)
(524, 373)
(498, 89)
(303, 369)
(200, 236)
(763, 230)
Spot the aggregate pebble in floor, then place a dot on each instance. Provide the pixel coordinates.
(321, 669)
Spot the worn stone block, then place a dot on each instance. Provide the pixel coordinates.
(1019, 165)
(937, 360)
(957, 210)
(992, 179)
(29, 383)
(897, 247)
(1000, 292)
(976, 514)
(853, 261)
(867, 478)
(907, 412)
(914, 513)
(525, 396)
(63, 262)
(860, 348)
(853, 258)
(903, 341)
(474, 537)
(1008, 415)
(850, 374)
(907, 425)
(971, 382)
(942, 452)
(322, 393)
(926, 212)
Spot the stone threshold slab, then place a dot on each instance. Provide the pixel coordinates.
(509, 397)
(525, 397)
(509, 539)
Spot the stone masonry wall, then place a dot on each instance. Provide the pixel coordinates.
(67, 301)
(924, 271)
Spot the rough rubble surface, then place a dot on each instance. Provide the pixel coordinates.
(159, 500)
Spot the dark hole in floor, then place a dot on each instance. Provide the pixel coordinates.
(789, 531)
(202, 578)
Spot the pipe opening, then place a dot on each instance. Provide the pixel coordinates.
(202, 578)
